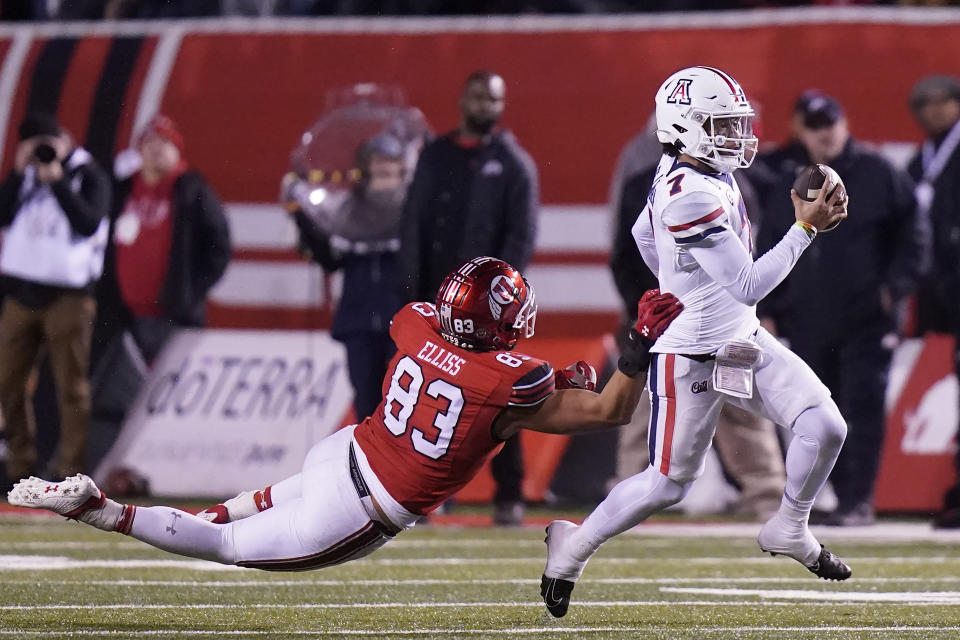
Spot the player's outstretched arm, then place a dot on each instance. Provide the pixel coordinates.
(576, 410)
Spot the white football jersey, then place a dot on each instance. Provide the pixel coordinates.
(695, 235)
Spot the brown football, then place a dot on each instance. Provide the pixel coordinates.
(811, 179)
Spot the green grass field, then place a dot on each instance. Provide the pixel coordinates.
(673, 580)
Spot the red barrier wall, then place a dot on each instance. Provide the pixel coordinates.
(573, 98)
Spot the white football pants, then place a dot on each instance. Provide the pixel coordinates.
(317, 520)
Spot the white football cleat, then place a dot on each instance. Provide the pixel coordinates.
(778, 536)
(562, 568)
(560, 562)
(71, 497)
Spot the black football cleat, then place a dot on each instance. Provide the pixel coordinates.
(830, 567)
(556, 595)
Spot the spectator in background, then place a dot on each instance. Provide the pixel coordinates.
(837, 308)
(935, 104)
(362, 238)
(53, 207)
(746, 444)
(474, 193)
(170, 242)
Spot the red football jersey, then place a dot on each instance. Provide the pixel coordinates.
(432, 432)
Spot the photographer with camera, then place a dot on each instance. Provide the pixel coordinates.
(53, 207)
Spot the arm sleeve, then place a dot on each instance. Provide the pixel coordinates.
(87, 208)
(719, 252)
(534, 387)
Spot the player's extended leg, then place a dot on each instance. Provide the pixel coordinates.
(327, 526)
(789, 393)
(683, 418)
(164, 527)
(818, 435)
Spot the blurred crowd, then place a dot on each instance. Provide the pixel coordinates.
(145, 9)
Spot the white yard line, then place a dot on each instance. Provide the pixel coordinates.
(479, 543)
(661, 536)
(902, 597)
(426, 605)
(56, 563)
(447, 632)
(721, 560)
(445, 582)
(51, 544)
(881, 532)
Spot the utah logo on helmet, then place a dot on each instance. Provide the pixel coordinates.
(486, 305)
(704, 113)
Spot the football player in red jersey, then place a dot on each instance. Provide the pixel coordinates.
(453, 392)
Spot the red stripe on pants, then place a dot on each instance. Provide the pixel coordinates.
(337, 553)
(670, 391)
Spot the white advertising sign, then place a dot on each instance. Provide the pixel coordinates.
(223, 411)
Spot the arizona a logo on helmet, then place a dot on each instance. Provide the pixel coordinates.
(681, 92)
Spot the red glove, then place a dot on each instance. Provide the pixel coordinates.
(655, 312)
(579, 375)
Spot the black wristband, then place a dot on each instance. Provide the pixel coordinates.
(635, 356)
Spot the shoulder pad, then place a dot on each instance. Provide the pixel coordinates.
(694, 217)
(533, 387)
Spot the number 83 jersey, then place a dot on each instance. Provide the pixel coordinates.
(433, 430)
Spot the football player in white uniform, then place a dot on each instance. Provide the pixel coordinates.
(695, 235)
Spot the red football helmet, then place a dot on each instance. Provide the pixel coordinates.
(485, 305)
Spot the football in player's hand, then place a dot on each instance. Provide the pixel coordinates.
(808, 184)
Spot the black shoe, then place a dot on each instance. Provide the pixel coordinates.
(556, 595)
(861, 515)
(830, 567)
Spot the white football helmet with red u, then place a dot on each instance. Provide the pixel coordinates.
(486, 305)
(704, 113)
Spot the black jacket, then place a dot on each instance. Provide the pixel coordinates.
(371, 282)
(836, 285)
(630, 273)
(84, 208)
(466, 202)
(939, 296)
(199, 252)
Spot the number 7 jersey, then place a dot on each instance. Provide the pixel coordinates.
(433, 430)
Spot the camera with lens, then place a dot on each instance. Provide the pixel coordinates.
(45, 153)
